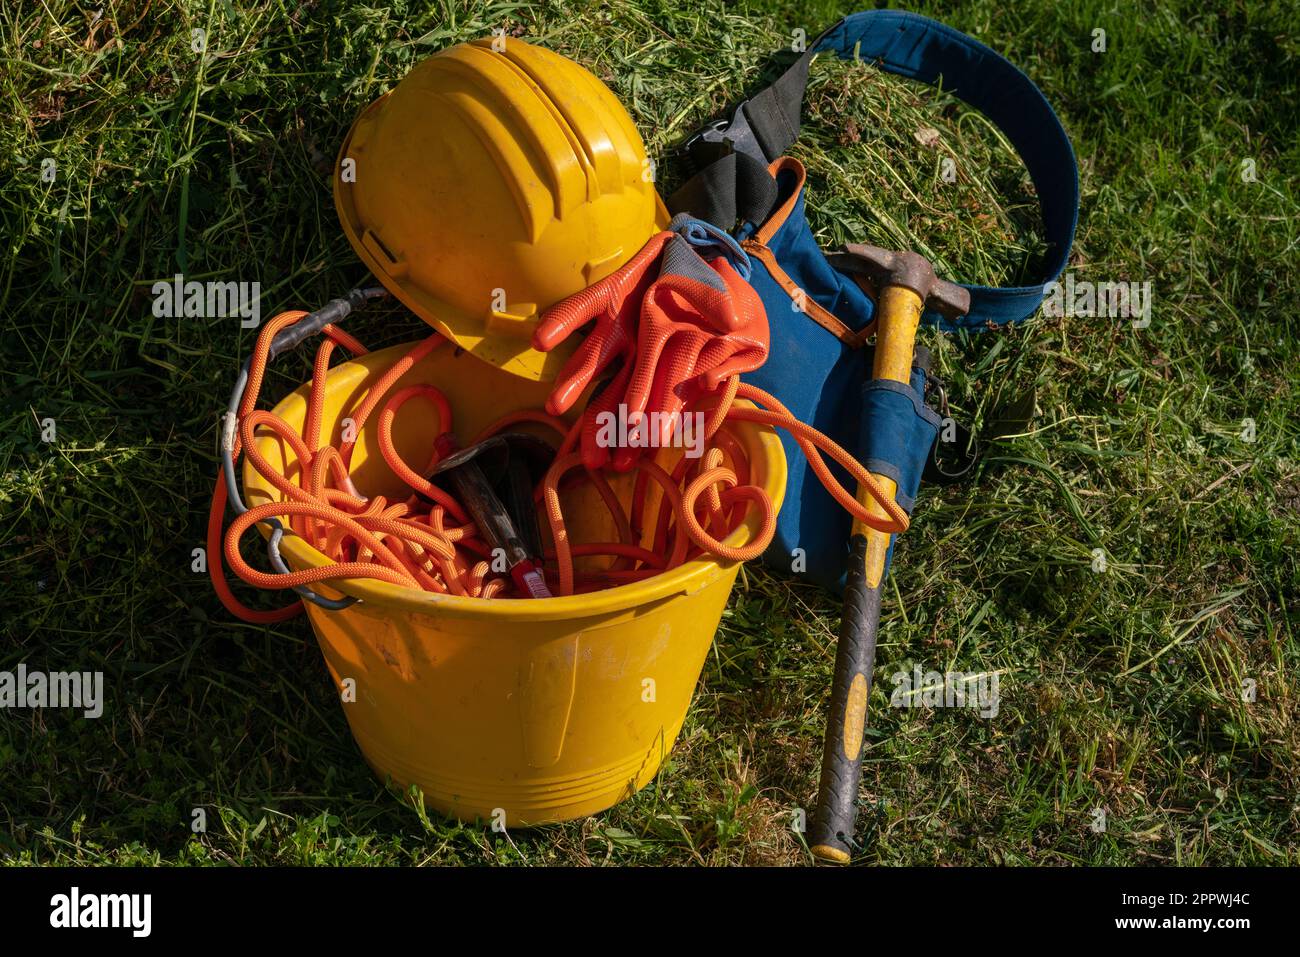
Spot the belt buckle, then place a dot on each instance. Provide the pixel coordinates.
(711, 133)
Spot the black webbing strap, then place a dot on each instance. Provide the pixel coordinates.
(736, 187)
(732, 184)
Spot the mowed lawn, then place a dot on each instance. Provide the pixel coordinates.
(1159, 691)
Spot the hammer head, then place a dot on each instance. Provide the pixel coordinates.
(490, 455)
(494, 454)
(495, 480)
(884, 267)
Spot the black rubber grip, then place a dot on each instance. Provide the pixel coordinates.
(831, 834)
(336, 310)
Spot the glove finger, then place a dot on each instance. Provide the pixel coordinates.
(665, 328)
(605, 298)
(562, 319)
(745, 299)
(746, 360)
(597, 442)
(671, 385)
(583, 366)
(706, 305)
(627, 457)
(652, 335)
(606, 301)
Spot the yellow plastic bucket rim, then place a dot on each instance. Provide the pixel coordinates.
(685, 579)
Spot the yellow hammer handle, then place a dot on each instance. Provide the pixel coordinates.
(831, 836)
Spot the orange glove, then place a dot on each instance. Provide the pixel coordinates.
(614, 303)
(677, 334)
(698, 328)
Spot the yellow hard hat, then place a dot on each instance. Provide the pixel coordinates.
(487, 186)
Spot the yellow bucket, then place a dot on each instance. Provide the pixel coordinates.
(529, 710)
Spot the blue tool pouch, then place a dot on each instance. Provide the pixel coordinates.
(821, 318)
(896, 432)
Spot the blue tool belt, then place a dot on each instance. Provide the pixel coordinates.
(820, 318)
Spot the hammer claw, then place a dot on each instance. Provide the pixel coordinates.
(885, 267)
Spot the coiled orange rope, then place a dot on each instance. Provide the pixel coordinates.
(436, 547)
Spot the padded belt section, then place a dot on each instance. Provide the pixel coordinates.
(923, 49)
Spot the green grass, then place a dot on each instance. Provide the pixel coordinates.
(1119, 690)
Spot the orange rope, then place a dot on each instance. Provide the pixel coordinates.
(436, 547)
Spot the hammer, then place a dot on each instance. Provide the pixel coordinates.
(511, 462)
(906, 286)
